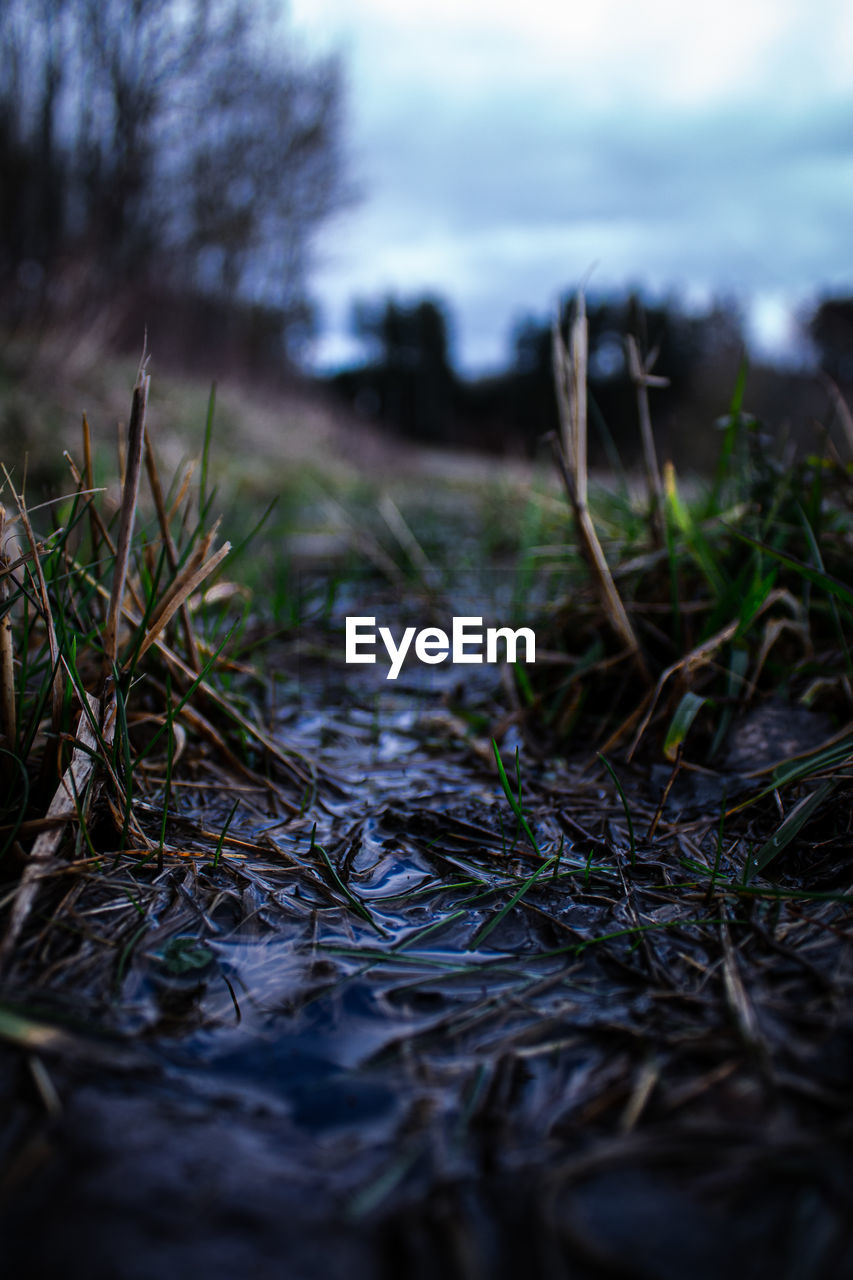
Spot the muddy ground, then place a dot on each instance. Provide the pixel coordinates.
(382, 1036)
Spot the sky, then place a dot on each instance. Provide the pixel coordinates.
(508, 151)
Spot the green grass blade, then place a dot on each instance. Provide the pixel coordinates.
(218, 854)
(205, 452)
(792, 824)
(624, 799)
(514, 803)
(831, 585)
(685, 713)
(356, 903)
(681, 518)
(734, 421)
(488, 928)
(817, 559)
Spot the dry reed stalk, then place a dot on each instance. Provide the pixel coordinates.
(181, 670)
(648, 700)
(773, 631)
(175, 598)
(130, 493)
(702, 656)
(99, 529)
(30, 826)
(205, 729)
(578, 401)
(644, 1086)
(396, 522)
(170, 548)
(71, 800)
(57, 680)
(121, 448)
(89, 473)
(8, 709)
(182, 492)
(365, 543)
(643, 378)
(737, 997)
(97, 523)
(570, 454)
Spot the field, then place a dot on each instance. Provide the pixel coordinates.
(489, 970)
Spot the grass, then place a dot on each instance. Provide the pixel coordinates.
(711, 603)
(107, 666)
(140, 770)
(668, 616)
(567, 910)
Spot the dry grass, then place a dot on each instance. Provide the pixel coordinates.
(105, 612)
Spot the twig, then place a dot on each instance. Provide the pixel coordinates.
(8, 716)
(130, 491)
(597, 562)
(643, 378)
(571, 459)
(737, 998)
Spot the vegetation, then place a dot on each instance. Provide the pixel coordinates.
(161, 142)
(666, 620)
(99, 613)
(595, 918)
(740, 589)
(408, 381)
(543, 971)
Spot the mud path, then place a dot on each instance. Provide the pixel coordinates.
(389, 1038)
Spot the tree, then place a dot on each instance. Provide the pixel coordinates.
(831, 330)
(178, 140)
(409, 378)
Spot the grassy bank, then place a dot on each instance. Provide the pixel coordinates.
(455, 941)
(670, 614)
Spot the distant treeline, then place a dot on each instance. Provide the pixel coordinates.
(163, 163)
(166, 164)
(409, 385)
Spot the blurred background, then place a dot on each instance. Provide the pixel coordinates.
(367, 215)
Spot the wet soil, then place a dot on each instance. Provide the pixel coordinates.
(387, 1037)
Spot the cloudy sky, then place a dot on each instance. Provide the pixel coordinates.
(509, 149)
